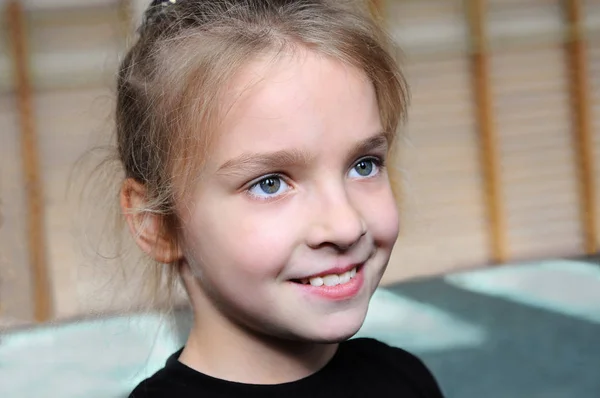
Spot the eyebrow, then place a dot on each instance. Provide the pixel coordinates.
(255, 163)
(378, 142)
(251, 163)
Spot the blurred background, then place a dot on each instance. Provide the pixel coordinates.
(500, 160)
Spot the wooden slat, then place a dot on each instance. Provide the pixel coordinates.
(485, 117)
(582, 130)
(443, 222)
(15, 283)
(533, 122)
(592, 21)
(33, 183)
(76, 217)
(377, 6)
(127, 18)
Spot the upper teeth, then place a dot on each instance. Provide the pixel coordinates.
(331, 280)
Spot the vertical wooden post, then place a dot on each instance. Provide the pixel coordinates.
(582, 130)
(33, 184)
(487, 133)
(377, 8)
(127, 19)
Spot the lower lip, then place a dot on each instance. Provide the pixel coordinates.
(339, 292)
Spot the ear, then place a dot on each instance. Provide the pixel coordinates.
(147, 228)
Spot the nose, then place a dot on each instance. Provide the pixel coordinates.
(335, 221)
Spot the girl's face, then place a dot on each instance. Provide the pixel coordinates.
(293, 221)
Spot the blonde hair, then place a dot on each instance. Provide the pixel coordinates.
(170, 81)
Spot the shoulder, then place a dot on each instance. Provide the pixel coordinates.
(167, 382)
(397, 363)
(372, 347)
(156, 386)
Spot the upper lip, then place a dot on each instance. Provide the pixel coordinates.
(336, 270)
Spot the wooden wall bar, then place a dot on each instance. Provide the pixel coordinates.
(582, 129)
(456, 120)
(377, 5)
(487, 133)
(31, 164)
(128, 18)
(377, 8)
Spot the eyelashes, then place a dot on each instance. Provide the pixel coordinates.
(269, 187)
(275, 185)
(365, 167)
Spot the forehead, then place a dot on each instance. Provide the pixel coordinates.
(302, 100)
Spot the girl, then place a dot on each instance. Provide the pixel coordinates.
(254, 135)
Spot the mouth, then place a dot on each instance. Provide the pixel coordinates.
(330, 280)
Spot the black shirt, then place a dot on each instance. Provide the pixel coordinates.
(360, 368)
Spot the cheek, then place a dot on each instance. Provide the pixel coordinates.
(236, 241)
(380, 213)
(263, 243)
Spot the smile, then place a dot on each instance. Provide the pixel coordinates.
(336, 287)
(331, 279)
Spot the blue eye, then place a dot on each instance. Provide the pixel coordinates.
(365, 168)
(269, 187)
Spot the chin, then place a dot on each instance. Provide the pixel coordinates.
(336, 328)
(337, 336)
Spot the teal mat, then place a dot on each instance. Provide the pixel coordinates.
(531, 330)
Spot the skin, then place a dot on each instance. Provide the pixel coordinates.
(312, 120)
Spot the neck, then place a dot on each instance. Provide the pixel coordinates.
(225, 351)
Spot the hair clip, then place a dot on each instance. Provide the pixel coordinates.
(163, 3)
(154, 12)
